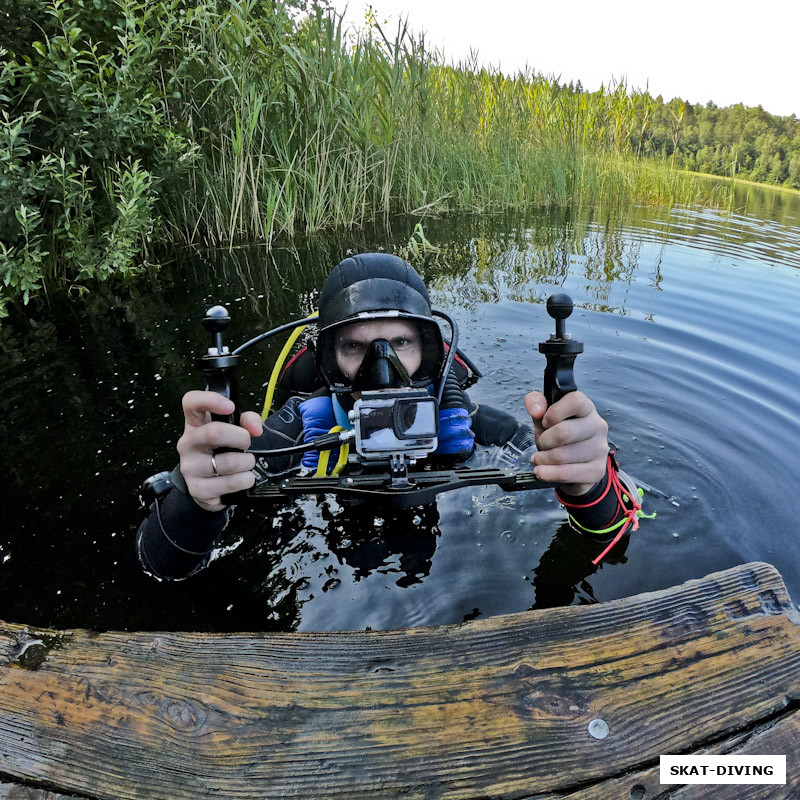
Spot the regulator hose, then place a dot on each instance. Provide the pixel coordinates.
(456, 438)
(453, 395)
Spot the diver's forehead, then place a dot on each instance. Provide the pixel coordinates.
(370, 330)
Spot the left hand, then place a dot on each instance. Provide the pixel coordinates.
(572, 441)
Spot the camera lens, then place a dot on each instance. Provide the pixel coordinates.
(406, 417)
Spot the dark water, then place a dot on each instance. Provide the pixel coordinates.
(690, 324)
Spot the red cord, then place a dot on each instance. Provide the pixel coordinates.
(611, 470)
(630, 513)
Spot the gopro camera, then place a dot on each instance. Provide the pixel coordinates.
(395, 422)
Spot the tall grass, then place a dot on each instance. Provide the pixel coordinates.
(220, 121)
(321, 129)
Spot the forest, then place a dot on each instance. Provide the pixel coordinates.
(735, 141)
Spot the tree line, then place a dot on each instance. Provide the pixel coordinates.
(734, 141)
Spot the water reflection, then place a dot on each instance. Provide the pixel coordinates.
(562, 574)
(525, 264)
(401, 544)
(689, 321)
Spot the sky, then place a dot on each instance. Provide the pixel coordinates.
(726, 51)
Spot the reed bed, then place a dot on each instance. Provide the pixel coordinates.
(217, 122)
(323, 128)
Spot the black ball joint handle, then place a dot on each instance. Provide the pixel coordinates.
(560, 350)
(219, 364)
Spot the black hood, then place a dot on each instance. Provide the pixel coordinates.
(376, 285)
(372, 282)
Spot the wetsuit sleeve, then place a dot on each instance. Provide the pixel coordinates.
(494, 427)
(177, 537)
(598, 511)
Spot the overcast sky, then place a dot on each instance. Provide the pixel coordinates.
(725, 51)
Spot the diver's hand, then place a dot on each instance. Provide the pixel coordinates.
(572, 441)
(201, 437)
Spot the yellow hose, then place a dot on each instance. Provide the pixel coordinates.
(276, 370)
(344, 452)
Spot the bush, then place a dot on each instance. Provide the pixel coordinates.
(86, 142)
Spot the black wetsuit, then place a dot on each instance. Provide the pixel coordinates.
(177, 537)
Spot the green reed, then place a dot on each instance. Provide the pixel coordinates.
(312, 129)
(223, 121)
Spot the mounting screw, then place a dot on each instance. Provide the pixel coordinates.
(598, 728)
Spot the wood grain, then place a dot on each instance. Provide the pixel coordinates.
(491, 708)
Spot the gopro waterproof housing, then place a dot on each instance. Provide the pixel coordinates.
(393, 422)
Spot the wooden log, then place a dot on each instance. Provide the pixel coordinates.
(491, 708)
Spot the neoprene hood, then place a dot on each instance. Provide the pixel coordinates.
(376, 286)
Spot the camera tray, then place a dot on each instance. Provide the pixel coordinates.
(422, 488)
(399, 488)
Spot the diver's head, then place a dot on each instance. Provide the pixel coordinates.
(376, 329)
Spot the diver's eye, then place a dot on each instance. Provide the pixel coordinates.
(351, 347)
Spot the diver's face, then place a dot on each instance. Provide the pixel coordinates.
(352, 342)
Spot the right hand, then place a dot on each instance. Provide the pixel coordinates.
(201, 437)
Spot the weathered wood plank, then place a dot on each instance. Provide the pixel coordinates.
(15, 791)
(777, 737)
(492, 708)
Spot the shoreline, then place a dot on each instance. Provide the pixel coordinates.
(744, 182)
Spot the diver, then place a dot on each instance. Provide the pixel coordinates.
(376, 331)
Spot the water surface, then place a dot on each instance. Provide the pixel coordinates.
(689, 321)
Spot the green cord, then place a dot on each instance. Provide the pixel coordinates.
(639, 513)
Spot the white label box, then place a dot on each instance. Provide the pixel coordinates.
(723, 769)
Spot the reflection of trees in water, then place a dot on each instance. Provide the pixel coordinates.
(367, 542)
(284, 559)
(513, 258)
(766, 203)
(290, 566)
(522, 258)
(523, 263)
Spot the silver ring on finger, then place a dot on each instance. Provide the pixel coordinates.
(214, 465)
